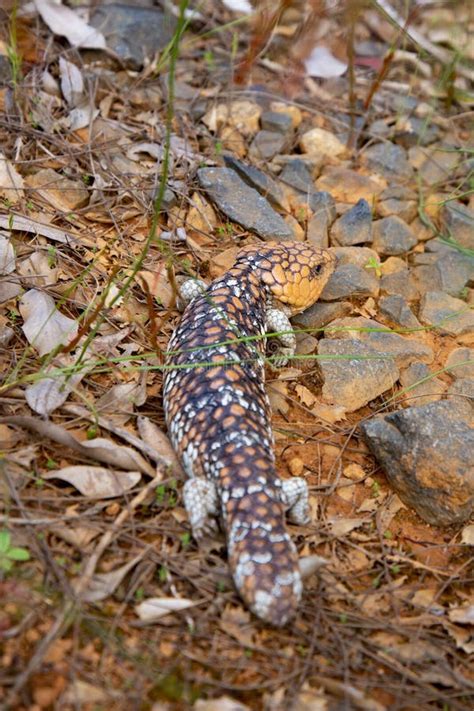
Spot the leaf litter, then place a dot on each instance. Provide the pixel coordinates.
(386, 618)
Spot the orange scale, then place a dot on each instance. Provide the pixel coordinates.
(237, 410)
(228, 421)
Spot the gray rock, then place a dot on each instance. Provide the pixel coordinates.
(458, 356)
(360, 256)
(297, 175)
(391, 235)
(388, 160)
(395, 309)
(462, 389)
(320, 314)
(437, 162)
(400, 201)
(254, 177)
(277, 122)
(399, 283)
(448, 272)
(324, 211)
(413, 131)
(447, 315)
(401, 349)
(422, 387)
(243, 204)
(354, 226)
(317, 230)
(458, 221)
(353, 372)
(133, 33)
(380, 129)
(443, 249)
(427, 453)
(267, 144)
(350, 280)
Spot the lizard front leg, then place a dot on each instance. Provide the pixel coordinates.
(278, 322)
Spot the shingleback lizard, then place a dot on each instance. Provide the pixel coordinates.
(219, 419)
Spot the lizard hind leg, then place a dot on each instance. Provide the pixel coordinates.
(201, 502)
(294, 494)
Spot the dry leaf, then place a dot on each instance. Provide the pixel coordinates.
(123, 397)
(467, 535)
(38, 270)
(156, 607)
(341, 526)
(329, 413)
(25, 224)
(72, 83)
(156, 438)
(322, 63)
(310, 564)
(7, 255)
(81, 692)
(277, 394)
(305, 395)
(463, 615)
(223, 703)
(66, 23)
(77, 536)
(96, 482)
(11, 182)
(103, 585)
(43, 325)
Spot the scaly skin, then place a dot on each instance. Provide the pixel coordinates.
(219, 419)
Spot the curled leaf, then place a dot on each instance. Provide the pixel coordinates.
(156, 607)
(43, 325)
(96, 482)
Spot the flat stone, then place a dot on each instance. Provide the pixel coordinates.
(354, 226)
(267, 144)
(391, 235)
(388, 160)
(403, 350)
(243, 204)
(400, 201)
(396, 309)
(62, 193)
(320, 314)
(350, 280)
(354, 374)
(462, 390)
(360, 256)
(133, 33)
(422, 386)
(458, 222)
(448, 272)
(348, 186)
(399, 283)
(257, 179)
(427, 453)
(278, 122)
(458, 356)
(317, 230)
(297, 175)
(321, 142)
(447, 315)
(413, 131)
(435, 164)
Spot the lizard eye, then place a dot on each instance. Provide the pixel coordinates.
(316, 269)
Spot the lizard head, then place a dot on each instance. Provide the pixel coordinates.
(295, 273)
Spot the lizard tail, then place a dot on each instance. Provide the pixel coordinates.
(264, 562)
